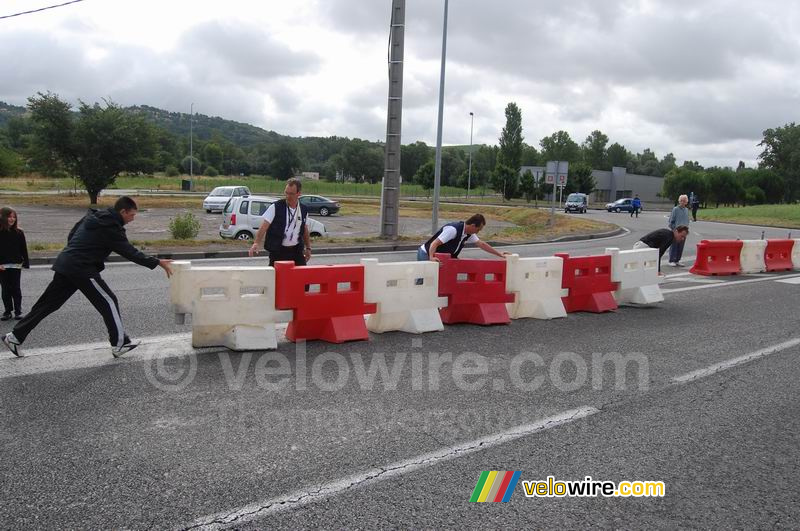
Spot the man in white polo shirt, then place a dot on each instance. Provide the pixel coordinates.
(452, 237)
(283, 232)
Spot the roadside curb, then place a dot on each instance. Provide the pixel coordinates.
(203, 255)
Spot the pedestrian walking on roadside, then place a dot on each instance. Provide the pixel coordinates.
(695, 206)
(678, 217)
(662, 239)
(13, 259)
(452, 237)
(637, 206)
(78, 267)
(283, 232)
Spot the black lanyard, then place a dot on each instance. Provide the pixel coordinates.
(292, 214)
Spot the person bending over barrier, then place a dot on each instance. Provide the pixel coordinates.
(78, 267)
(661, 239)
(452, 237)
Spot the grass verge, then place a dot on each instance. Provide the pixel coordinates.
(767, 215)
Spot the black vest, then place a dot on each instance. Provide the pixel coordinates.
(275, 232)
(454, 246)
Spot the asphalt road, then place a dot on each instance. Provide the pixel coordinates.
(170, 438)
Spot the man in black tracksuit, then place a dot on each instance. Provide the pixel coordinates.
(78, 267)
(661, 239)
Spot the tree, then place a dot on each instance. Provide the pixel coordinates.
(685, 181)
(10, 163)
(768, 181)
(618, 155)
(484, 161)
(647, 163)
(363, 161)
(452, 166)
(528, 186)
(412, 157)
(511, 138)
(505, 180)
(782, 155)
(97, 145)
(530, 156)
(212, 155)
(580, 175)
(723, 186)
(425, 175)
(559, 146)
(191, 164)
(594, 151)
(667, 164)
(284, 161)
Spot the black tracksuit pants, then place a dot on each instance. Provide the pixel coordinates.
(12, 294)
(60, 289)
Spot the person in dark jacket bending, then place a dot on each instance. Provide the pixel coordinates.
(13, 258)
(661, 239)
(78, 267)
(451, 238)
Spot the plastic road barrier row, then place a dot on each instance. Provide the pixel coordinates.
(327, 300)
(475, 291)
(718, 257)
(636, 275)
(536, 286)
(588, 279)
(406, 295)
(796, 255)
(751, 257)
(232, 307)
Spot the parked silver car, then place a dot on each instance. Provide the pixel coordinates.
(241, 218)
(219, 196)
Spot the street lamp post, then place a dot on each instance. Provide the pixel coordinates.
(469, 171)
(191, 147)
(437, 174)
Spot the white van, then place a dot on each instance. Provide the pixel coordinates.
(219, 196)
(241, 218)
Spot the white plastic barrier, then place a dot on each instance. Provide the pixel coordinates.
(752, 256)
(230, 306)
(796, 255)
(636, 273)
(403, 304)
(536, 285)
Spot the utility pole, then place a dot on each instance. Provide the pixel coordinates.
(191, 150)
(469, 171)
(390, 196)
(437, 175)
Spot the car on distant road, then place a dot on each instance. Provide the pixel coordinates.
(241, 218)
(622, 205)
(219, 196)
(319, 205)
(576, 203)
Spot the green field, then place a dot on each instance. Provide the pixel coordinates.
(258, 184)
(769, 215)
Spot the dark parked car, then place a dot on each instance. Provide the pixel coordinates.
(319, 205)
(622, 205)
(576, 203)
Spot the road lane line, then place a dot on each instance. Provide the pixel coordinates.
(735, 362)
(724, 284)
(313, 493)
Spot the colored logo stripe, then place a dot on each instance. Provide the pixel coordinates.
(495, 486)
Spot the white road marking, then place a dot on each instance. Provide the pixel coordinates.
(721, 285)
(314, 493)
(795, 280)
(728, 364)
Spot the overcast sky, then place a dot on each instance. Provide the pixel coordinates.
(699, 78)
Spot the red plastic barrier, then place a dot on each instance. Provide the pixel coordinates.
(718, 257)
(778, 255)
(588, 279)
(473, 298)
(331, 314)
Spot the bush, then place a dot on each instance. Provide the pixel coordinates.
(172, 171)
(211, 171)
(755, 196)
(184, 226)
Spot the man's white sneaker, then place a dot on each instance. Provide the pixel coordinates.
(13, 344)
(118, 352)
(673, 264)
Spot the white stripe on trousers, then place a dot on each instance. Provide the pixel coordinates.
(114, 312)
